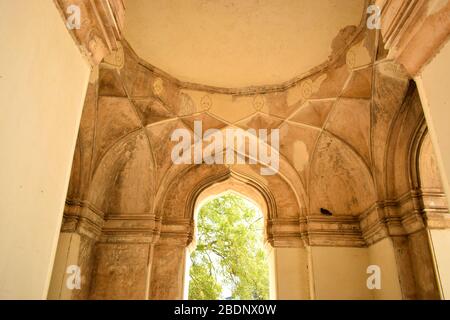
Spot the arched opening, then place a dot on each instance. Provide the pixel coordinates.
(180, 205)
(229, 261)
(228, 258)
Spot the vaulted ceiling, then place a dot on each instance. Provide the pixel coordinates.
(235, 43)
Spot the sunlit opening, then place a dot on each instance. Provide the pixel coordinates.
(230, 261)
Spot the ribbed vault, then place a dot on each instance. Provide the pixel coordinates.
(353, 145)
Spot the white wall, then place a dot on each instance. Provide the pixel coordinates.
(43, 80)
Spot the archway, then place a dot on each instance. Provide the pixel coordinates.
(286, 249)
(228, 257)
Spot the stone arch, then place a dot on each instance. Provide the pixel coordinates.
(424, 170)
(410, 153)
(233, 185)
(179, 201)
(243, 186)
(286, 175)
(428, 164)
(188, 188)
(232, 181)
(404, 135)
(411, 209)
(425, 178)
(416, 156)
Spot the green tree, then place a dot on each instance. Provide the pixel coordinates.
(230, 256)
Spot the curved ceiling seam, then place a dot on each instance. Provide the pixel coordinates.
(155, 167)
(332, 110)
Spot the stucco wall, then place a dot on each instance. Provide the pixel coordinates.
(340, 273)
(382, 254)
(67, 254)
(289, 274)
(43, 80)
(441, 245)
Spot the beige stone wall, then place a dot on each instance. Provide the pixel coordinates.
(289, 278)
(67, 254)
(426, 279)
(73, 250)
(120, 271)
(435, 98)
(382, 254)
(168, 273)
(441, 245)
(43, 80)
(351, 144)
(340, 273)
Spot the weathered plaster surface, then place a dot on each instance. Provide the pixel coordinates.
(353, 140)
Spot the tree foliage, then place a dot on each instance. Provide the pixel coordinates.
(229, 261)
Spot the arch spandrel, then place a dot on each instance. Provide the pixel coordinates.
(182, 195)
(116, 177)
(340, 180)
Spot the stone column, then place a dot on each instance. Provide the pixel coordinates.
(167, 281)
(289, 279)
(168, 271)
(416, 247)
(416, 35)
(74, 261)
(124, 257)
(288, 261)
(121, 270)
